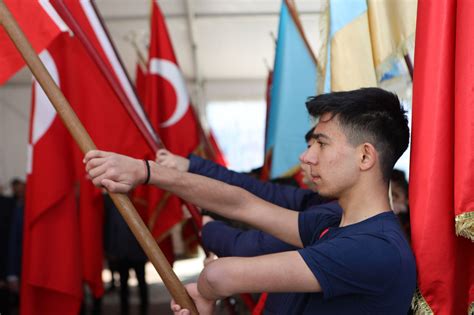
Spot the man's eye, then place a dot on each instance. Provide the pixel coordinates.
(321, 144)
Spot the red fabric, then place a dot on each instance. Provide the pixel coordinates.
(101, 112)
(64, 245)
(267, 165)
(40, 31)
(182, 137)
(161, 102)
(91, 219)
(99, 120)
(51, 255)
(442, 99)
(299, 177)
(464, 111)
(267, 161)
(167, 248)
(140, 82)
(323, 232)
(248, 300)
(260, 304)
(268, 95)
(77, 10)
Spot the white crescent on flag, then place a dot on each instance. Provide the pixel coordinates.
(44, 110)
(170, 71)
(44, 113)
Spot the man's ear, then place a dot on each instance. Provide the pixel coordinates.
(368, 156)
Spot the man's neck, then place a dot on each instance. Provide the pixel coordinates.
(361, 204)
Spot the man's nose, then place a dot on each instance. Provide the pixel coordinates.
(308, 157)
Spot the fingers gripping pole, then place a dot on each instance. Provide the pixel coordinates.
(80, 135)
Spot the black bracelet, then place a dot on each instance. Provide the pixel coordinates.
(147, 180)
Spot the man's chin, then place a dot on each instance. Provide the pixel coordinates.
(326, 194)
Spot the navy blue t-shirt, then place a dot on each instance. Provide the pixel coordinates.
(363, 268)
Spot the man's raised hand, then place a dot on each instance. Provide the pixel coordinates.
(170, 160)
(117, 173)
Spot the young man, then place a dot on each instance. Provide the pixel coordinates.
(226, 241)
(358, 262)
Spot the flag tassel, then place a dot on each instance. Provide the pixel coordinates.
(419, 304)
(84, 141)
(464, 224)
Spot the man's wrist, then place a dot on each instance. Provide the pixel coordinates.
(186, 165)
(147, 176)
(141, 172)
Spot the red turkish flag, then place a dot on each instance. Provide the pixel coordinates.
(72, 239)
(84, 19)
(143, 196)
(167, 102)
(40, 30)
(51, 277)
(169, 109)
(442, 168)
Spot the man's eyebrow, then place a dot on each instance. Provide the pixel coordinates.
(317, 136)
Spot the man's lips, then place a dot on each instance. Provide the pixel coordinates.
(315, 177)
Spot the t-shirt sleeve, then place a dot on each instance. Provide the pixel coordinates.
(359, 264)
(312, 223)
(226, 241)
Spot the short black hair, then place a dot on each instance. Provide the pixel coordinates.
(368, 115)
(309, 135)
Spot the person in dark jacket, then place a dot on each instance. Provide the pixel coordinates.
(122, 247)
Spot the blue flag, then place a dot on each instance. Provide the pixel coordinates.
(294, 80)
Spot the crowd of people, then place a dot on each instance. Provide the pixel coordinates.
(11, 236)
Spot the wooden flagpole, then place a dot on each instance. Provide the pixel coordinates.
(82, 138)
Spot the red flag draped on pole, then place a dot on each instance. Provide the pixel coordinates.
(51, 277)
(71, 239)
(169, 109)
(85, 22)
(442, 165)
(167, 100)
(145, 196)
(40, 30)
(267, 156)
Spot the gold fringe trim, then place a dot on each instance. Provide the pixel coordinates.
(464, 224)
(419, 304)
(421, 307)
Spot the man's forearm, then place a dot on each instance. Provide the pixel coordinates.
(281, 195)
(220, 198)
(229, 201)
